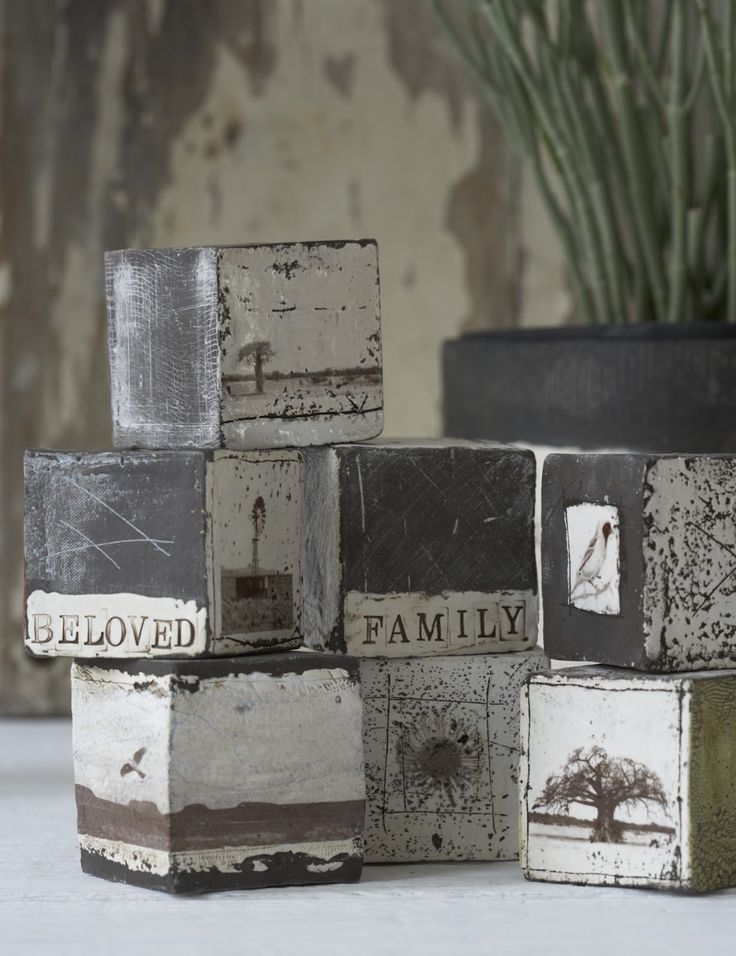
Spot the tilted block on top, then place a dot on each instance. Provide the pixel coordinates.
(420, 548)
(441, 738)
(245, 346)
(222, 774)
(162, 553)
(629, 779)
(639, 560)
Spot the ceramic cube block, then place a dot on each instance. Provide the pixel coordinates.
(639, 560)
(162, 553)
(629, 778)
(245, 346)
(220, 774)
(441, 738)
(420, 548)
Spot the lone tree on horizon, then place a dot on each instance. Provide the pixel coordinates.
(259, 352)
(593, 779)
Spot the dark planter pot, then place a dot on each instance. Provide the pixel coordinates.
(644, 388)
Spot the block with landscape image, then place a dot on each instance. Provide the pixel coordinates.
(639, 560)
(441, 739)
(629, 779)
(420, 548)
(259, 346)
(162, 553)
(232, 773)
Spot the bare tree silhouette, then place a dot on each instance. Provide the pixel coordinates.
(259, 352)
(593, 779)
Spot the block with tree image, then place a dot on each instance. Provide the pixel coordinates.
(260, 346)
(629, 779)
(639, 560)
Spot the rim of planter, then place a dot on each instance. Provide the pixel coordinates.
(611, 333)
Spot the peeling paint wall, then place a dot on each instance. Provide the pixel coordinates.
(154, 122)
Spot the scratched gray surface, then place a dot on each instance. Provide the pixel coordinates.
(115, 522)
(162, 314)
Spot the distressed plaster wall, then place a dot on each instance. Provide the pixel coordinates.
(126, 122)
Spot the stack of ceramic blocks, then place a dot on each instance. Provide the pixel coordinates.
(629, 768)
(201, 761)
(420, 563)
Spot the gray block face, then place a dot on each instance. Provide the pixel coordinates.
(420, 549)
(628, 779)
(245, 346)
(162, 553)
(638, 560)
(233, 773)
(441, 740)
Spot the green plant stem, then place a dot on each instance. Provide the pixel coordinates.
(644, 215)
(678, 165)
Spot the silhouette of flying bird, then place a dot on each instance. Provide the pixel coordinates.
(133, 766)
(592, 561)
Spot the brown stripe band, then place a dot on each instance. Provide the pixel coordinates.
(197, 827)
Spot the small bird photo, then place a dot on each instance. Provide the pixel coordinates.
(593, 557)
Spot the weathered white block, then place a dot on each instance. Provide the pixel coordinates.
(441, 738)
(629, 779)
(223, 774)
(162, 553)
(639, 560)
(245, 346)
(420, 548)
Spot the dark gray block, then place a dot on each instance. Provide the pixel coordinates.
(245, 346)
(420, 548)
(232, 773)
(639, 560)
(162, 553)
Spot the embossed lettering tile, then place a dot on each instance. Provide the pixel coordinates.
(245, 346)
(639, 560)
(629, 779)
(441, 738)
(221, 774)
(420, 548)
(162, 553)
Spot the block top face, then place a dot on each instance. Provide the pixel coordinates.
(421, 538)
(604, 780)
(638, 559)
(245, 346)
(163, 553)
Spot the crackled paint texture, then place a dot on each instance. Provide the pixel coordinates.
(441, 740)
(153, 123)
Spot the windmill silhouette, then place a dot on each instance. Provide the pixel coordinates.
(258, 517)
(255, 583)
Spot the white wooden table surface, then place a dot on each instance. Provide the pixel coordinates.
(48, 906)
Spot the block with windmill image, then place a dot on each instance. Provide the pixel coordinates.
(639, 560)
(629, 778)
(420, 548)
(259, 346)
(163, 553)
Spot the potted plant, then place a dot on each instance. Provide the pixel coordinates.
(625, 112)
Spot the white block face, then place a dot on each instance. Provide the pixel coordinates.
(441, 749)
(593, 557)
(255, 558)
(301, 350)
(604, 781)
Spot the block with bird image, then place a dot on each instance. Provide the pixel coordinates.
(219, 774)
(162, 553)
(441, 738)
(629, 778)
(256, 346)
(420, 548)
(639, 560)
